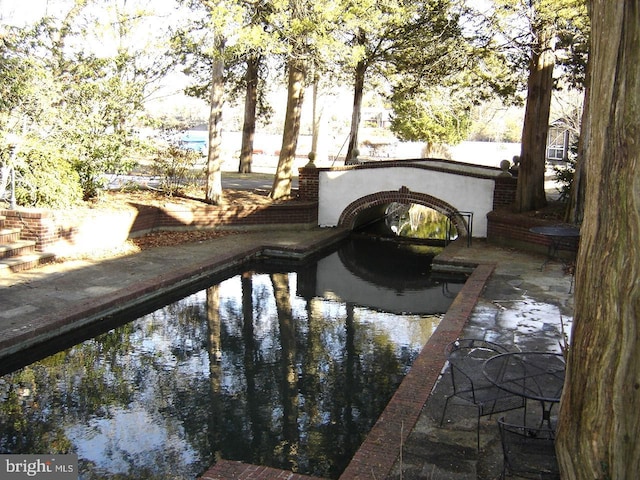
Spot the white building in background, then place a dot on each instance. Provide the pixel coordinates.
(559, 141)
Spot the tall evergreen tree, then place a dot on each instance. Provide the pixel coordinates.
(309, 31)
(408, 44)
(532, 32)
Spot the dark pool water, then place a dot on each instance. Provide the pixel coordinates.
(282, 367)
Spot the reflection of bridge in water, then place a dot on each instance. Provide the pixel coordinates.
(393, 294)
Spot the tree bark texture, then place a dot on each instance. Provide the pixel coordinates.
(250, 107)
(295, 96)
(530, 193)
(317, 117)
(575, 213)
(213, 192)
(600, 409)
(356, 113)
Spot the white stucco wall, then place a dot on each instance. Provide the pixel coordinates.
(338, 189)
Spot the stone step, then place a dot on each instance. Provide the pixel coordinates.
(24, 262)
(9, 235)
(16, 248)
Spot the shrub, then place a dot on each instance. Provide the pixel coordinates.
(176, 167)
(46, 179)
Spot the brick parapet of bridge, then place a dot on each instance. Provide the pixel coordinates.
(504, 191)
(434, 164)
(308, 184)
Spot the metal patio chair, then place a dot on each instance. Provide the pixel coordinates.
(528, 452)
(466, 358)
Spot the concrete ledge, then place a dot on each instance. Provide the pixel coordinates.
(194, 263)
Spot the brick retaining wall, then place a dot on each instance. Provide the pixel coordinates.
(504, 191)
(512, 230)
(75, 231)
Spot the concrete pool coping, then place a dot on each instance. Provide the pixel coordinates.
(61, 298)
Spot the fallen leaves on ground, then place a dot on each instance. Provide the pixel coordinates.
(167, 239)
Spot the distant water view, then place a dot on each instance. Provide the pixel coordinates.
(267, 147)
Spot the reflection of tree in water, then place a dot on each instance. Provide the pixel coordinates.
(268, 379)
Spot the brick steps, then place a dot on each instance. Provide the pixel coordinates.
(17, 255)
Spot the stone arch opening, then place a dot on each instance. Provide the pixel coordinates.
(403, 195)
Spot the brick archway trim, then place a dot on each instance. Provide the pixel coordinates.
(403, 195)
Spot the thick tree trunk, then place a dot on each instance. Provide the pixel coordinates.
(250, 107)
(356, 113)
(530, 191)
(600, 410)
(295, 96)
(213, 192)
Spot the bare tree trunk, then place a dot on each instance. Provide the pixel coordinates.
(600, 410)
(295, 96)
(315, 130)
(250, 106)
(356, 114)
(576, 202)
(530, 193)
(213, 192)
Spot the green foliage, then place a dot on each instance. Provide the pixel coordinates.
(81, 108)
(176, 167)
(45, 178)
(510, 27)
(14, 75)
(419, 221)
(572, 48)
(430, 118)
(564, 175)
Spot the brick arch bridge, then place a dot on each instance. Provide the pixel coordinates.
(449, 187)
(351, 213)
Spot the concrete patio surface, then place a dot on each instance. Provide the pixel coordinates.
(513, 301)
(521, 304)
